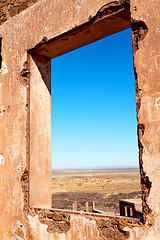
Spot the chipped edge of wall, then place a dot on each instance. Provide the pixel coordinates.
(25, 73)
(25, 80)
(18, 231)
(110, 8)
(0, 53)
(116, 228)
(2, 160)
(3, 66)
(139, 32)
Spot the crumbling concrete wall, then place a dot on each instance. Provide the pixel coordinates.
(54, 21)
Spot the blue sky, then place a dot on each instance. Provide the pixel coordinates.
(93, 106)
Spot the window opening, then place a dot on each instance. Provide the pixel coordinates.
(94, 128)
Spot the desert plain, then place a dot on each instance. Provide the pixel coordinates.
(103, 186)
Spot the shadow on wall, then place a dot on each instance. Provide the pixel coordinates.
(44, 66)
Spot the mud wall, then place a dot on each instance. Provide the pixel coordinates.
(42, 28)
(10, 8)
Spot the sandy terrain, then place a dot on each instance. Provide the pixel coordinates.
(105, 187)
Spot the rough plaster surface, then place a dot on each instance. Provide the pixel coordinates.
(48, 19)
(81, 228)
(10, 8)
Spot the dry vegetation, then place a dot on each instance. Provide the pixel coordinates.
(105, 187)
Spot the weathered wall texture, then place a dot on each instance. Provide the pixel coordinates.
(22, 77)
(10, 8)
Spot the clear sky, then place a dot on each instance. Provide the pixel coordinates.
(94, 107)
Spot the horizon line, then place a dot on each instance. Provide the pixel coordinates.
(95, 168)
